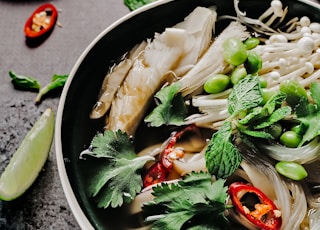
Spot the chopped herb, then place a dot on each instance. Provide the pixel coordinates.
(193, 203)
(118, 180)
(171, 109)
(56, 82)
(23, 82)
(135, 4)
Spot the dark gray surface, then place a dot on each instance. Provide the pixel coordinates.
(44, 205)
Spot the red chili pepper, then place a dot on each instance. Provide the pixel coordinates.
(265, 214)
(159, 171)
(36, 25)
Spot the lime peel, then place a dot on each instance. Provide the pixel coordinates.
(29, 159)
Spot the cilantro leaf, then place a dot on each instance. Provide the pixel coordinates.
(118, 179)
(256, 133)
(112, 144)
(311, 121)
(56, 82)
(245, 95)
(171, 110)
(189, 203)
(135, 4)
(222, 157)
(24, 82)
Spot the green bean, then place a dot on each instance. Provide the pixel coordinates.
(294, 91)
(290, 139)
(237, 74)
(251, 43)
(217, 83)
(291, 170)
(234, 51)
(275, 130)
(253, 63)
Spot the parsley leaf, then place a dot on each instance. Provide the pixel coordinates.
(118, 179)
(222, 157)
(194, 202)
(245, 95)
(171, 109)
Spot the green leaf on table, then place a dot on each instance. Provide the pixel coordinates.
(245, 95)
(171, 109)
(56, 82)
(24, 82)
(222, 157)
(135, 4)
(193, 203)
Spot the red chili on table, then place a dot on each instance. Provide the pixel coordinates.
(265, 214)
(42, 21)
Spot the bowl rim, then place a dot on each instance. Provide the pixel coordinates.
(73, 203)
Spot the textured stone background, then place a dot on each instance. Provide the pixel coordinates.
(44, 205)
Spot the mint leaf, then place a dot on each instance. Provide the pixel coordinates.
(222, 157)
(255, 133)
(118, 179)
(171, 109)
(191, 203)
(276, 116)
(245, 95)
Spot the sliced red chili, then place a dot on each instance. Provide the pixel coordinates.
(156, 174)
(265, 214)
(39, 24)
(159, 171)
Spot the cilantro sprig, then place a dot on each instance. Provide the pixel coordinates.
(194, 203)
(171, 109)
(118, 179)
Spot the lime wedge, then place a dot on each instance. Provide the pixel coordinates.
(29, 159)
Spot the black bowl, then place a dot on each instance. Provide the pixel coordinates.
(74, 128)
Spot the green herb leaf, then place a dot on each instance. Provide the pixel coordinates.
(118, 179)
(135, 4)
(56, 82)
(222, 157)
(315, 93)
(245, 95)
(188, 204)
(276, 116)
(313, 127)
(24, 82)
(256, 133)
(112, 145)
(171, 110)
